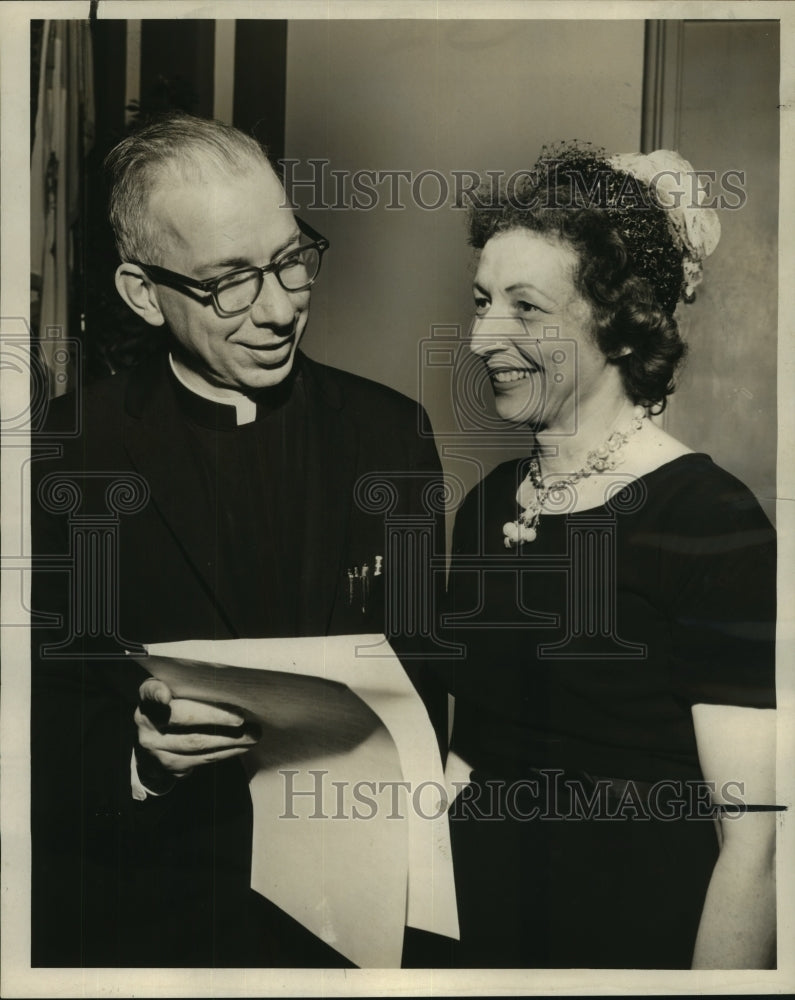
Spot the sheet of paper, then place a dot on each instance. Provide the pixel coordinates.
(350, 830)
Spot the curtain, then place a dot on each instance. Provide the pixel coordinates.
(64, 134)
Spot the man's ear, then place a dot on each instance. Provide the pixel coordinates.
(139, 293)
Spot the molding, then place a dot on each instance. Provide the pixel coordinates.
(662, 85)
(132, 80)
(224, 71)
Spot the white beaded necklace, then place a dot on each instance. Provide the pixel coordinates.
(532, 493)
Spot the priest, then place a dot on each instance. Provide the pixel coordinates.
(213, 492)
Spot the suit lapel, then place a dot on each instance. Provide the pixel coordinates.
(157, 443)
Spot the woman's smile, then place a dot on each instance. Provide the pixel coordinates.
(508, 376)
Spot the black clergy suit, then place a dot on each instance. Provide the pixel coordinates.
(191, 551)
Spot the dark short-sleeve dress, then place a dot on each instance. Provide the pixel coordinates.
(586, 838)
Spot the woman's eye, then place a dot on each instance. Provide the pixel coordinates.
(481, 304)
(526, 307)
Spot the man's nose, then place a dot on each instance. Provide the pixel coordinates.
(491, 334)
(274, 306)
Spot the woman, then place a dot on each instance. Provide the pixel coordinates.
(614, 596)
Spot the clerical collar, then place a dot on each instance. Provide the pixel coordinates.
(245, 408)
(226, 413)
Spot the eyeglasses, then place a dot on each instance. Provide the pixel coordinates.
(236, 291)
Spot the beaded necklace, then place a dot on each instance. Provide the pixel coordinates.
(532, 493)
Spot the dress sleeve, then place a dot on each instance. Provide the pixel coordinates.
(719, 561)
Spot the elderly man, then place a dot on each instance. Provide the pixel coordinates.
(224, 469)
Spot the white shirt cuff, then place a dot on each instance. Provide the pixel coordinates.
(139, 791)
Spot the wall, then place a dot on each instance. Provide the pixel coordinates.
(727, 117)
(443, 95)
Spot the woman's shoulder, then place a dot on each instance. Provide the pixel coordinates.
(693, 498)
(695, 474)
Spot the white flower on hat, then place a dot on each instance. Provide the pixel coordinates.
(671, 179)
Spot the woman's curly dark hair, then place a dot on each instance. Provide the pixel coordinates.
(630, 269)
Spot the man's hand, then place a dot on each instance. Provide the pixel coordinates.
(179, 734)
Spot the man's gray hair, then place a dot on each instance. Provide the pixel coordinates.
(174, 143)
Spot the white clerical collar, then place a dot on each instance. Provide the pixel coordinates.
(245, 408)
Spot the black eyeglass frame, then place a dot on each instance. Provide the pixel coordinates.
(161, 275)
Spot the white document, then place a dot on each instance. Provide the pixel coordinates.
(351, 835)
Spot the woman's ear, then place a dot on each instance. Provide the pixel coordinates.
(139, 293)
